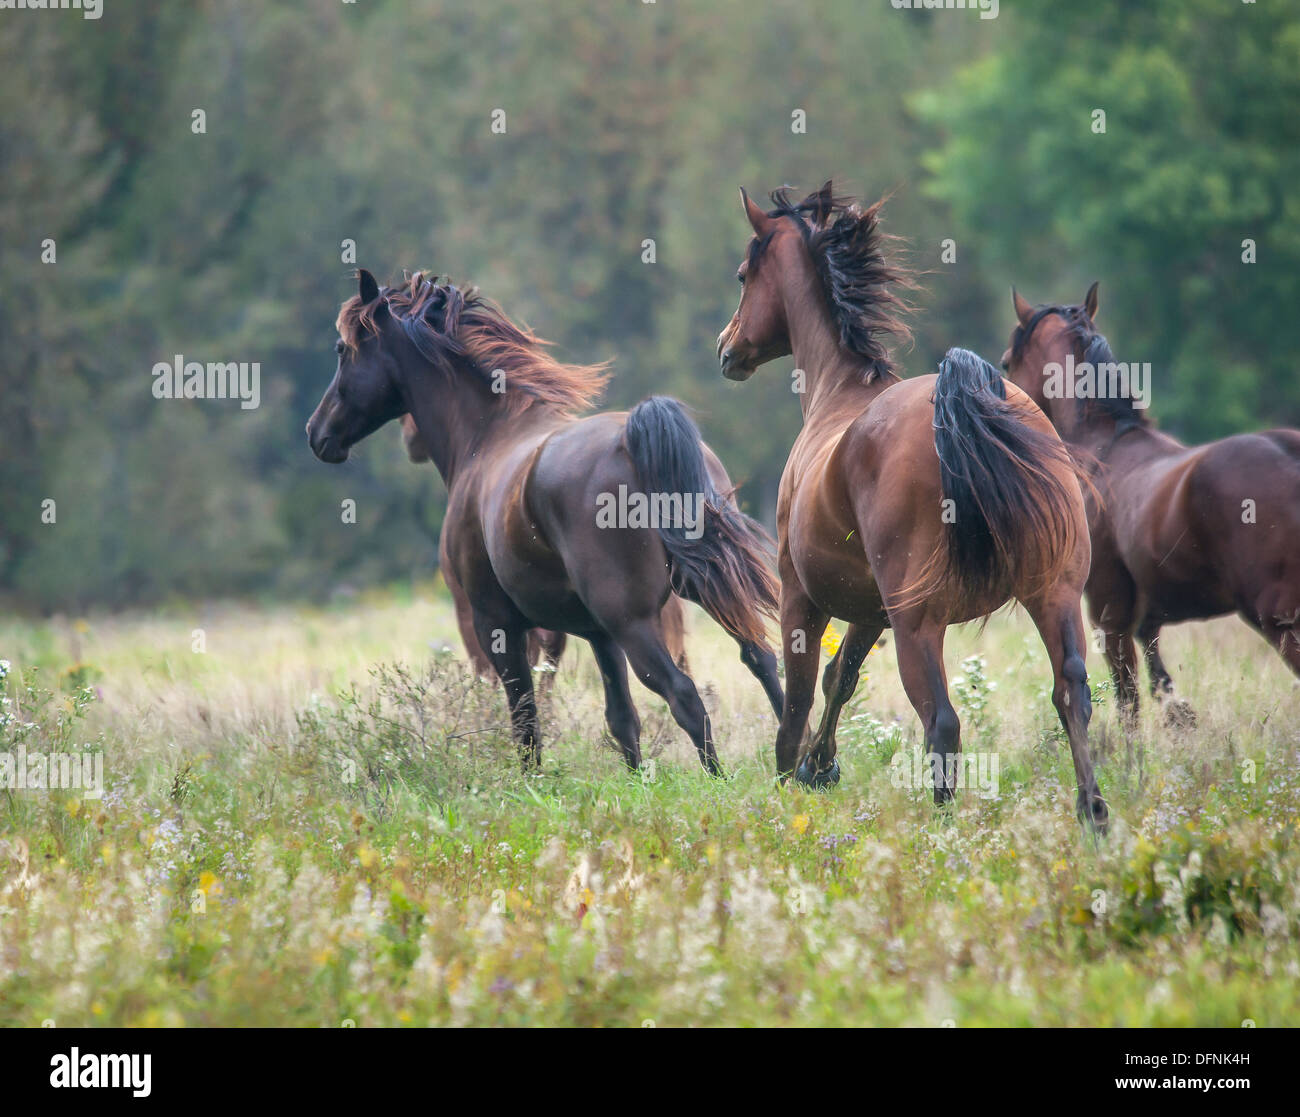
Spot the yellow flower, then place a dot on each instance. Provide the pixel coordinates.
(830, 640)
(74, 807)
(367, 855)
(800, 823)
(209, 884)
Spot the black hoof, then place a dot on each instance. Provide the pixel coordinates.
(1094, 814)
(818, 781)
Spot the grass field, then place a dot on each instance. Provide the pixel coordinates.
(318, 819)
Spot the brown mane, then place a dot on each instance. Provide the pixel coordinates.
(449, 324)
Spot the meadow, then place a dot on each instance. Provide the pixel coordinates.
(318, 820)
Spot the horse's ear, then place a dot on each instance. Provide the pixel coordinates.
(825, 202)
(757, 218)
(1024, 311)
(367, 288)
(1090, 301)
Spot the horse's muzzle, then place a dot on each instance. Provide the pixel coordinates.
(326, 449)
(732, 366)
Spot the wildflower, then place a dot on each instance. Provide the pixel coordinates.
(800, 823)
(830, 640)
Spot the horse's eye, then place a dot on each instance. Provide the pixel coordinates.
(1006, 367)
(740, 278)
(338, 346)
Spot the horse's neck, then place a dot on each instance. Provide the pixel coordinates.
(1128, 449)
(837, 383)
(454, 425)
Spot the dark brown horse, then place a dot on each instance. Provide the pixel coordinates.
(582, 526)
(542, 642)
(907, 504)
(1179, 533)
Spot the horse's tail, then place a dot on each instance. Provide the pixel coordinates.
(1010, 491)
(717, 556)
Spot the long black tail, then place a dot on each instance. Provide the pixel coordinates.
(721, 563)
(1011, 526)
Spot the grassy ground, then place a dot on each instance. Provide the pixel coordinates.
(299, 830)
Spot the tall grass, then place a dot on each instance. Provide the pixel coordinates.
(319, 819)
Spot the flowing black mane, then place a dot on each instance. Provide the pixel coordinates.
(848, 248)
(1089, 346)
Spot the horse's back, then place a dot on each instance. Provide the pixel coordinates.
(1215, 524)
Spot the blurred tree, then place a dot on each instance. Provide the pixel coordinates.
(1200, 152)
(624, 123)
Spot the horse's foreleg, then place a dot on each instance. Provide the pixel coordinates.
(838, 684)
(918, 644)
(802, 626)
(507, 648)
(620, 713)
(465, 623)
(1148, 635)
(1281, 628)
(1121, 658)
(547, 647)
(673, 619)
(1177, 712)
(1060, 624)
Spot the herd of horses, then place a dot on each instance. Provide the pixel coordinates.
(908, 504)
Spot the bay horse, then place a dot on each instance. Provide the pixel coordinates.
(542, 642)
(1179, 532)
(543, 527)
(906, 504)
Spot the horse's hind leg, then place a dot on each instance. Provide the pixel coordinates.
(654, 666)
(761, 661)
(839, 681)
(620, 714)
(1177, 712)
(918, 644)
(1060, 624)
(507, 647)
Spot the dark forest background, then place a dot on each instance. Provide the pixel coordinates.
(329, 121)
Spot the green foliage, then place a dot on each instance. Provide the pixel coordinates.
(1200, 151)
(370, 122)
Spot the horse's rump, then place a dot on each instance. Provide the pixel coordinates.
(1012, 520)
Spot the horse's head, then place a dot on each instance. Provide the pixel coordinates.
(364, 394)
(1043, 336)
(815, 265)
(759, 331)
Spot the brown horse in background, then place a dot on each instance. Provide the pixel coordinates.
(908, 504)
(532, 491)
(542, 642)
(1179, 532)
